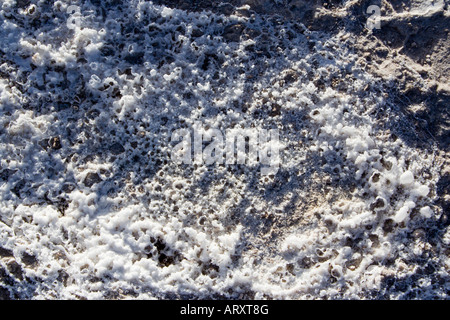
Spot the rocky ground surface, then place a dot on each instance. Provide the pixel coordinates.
(93, 208)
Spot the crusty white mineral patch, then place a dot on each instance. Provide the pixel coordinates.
(93, 207)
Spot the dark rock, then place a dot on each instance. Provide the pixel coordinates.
(209, 58)
(386, 164)
(6, 173)
(210, 268)
(226, 8)
(388, 225)
(91, 179)
(275, 110)
(63, 105)
(305, 263)
(379, 203)
(15, 269)
(107, 51)
(29, 259)
(232, 33)
(55, 143)
(44, 144)
(6, 278)
(68, 187)
(18, 187)
(23, 3)
(376, 177)
(196, 33)
(135, 58)
(160, 244)
(116, 93)
(63, 276)
(6, 252)
(4, 294)
(401, 285)
(429, 269)
(290, 77)
(116, 148)
(252, 33)
(62, 205)
(165, 260)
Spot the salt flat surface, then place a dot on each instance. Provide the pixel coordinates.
(92, 205)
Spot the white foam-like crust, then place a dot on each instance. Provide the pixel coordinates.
(227, 230)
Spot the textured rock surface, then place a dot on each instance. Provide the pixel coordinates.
(92, 205)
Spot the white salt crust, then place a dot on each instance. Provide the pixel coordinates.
(334, 222)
